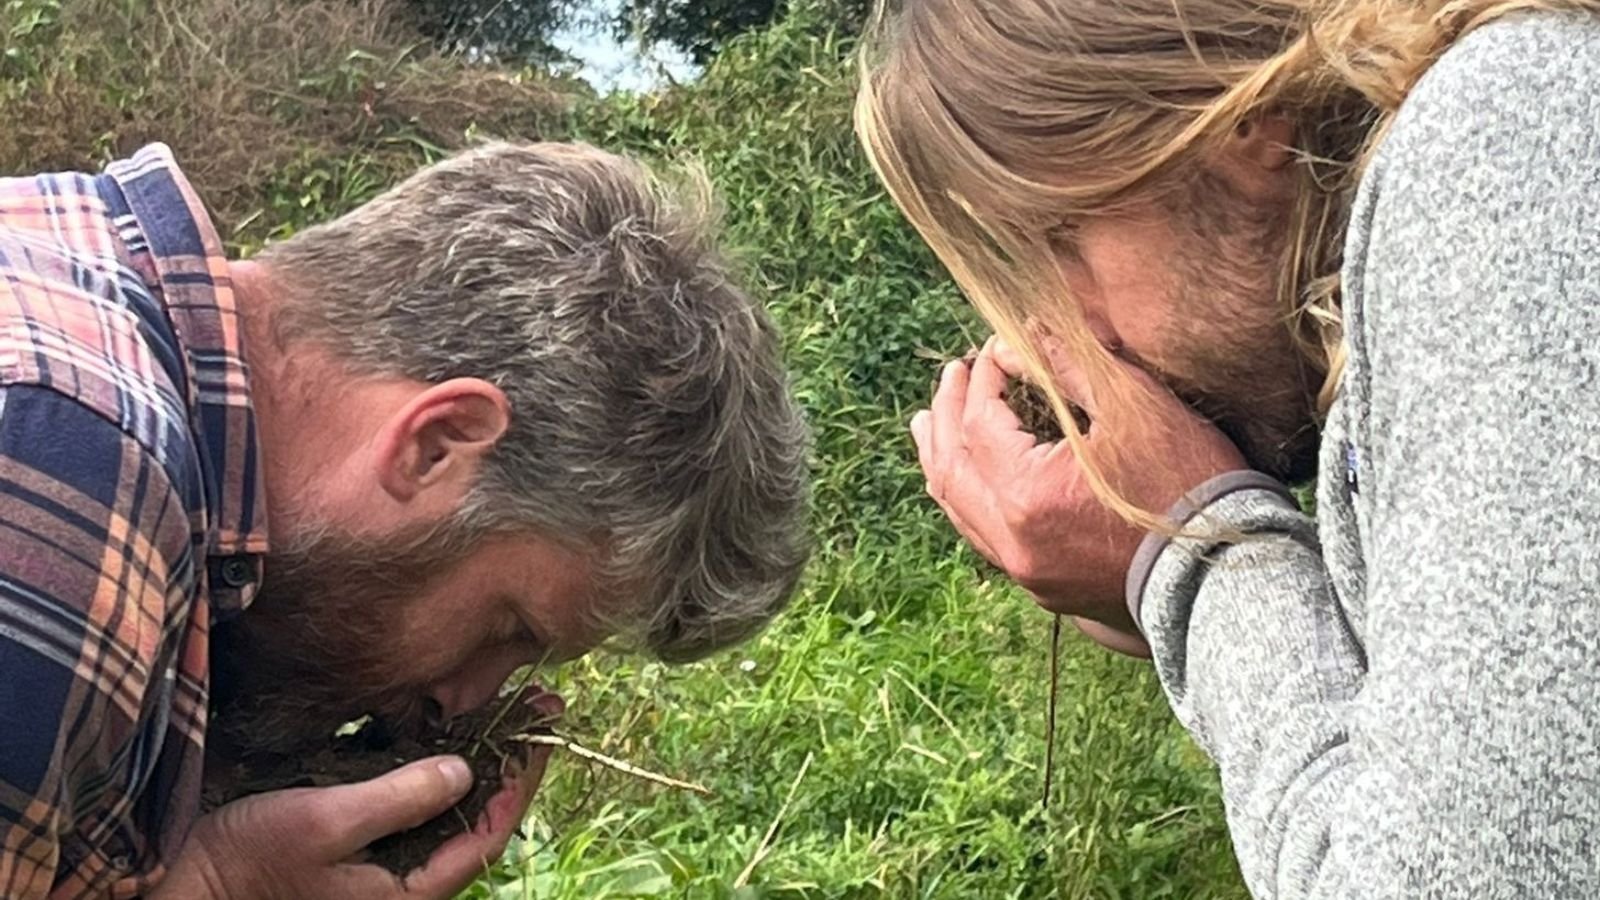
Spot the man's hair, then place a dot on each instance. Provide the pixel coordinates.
(651, 415)
(998, 125)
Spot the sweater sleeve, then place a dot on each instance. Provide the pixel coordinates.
(1452, 752)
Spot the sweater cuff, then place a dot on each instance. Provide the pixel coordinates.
(1182, 513)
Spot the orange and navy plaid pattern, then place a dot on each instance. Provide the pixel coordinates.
(132, 513)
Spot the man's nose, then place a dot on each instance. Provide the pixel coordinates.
(473, 686)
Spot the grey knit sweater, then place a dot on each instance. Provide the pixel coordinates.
(1403, 697)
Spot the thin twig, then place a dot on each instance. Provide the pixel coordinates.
(765, 846)
(1050, 725)
(556, 740)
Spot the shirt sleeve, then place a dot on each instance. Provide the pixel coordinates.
(1452, 754)
(92, 541)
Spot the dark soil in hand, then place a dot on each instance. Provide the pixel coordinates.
(371, 752)
(1032, 407)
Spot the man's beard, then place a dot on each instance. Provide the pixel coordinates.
(1234, 358)
(1264, 403)
(317, 647)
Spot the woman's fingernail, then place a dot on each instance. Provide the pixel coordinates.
(456, 774)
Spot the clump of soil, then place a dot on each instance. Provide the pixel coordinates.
(1032, 407)
(484, 739)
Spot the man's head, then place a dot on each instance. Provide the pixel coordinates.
(1167, 180)
(511, 408)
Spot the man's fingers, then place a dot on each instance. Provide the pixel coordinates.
(1009, 360)
(986, 379)
(1113, 639)
(367, 881)
(461, 859)
(948, 404)
(922, 436)
(506, 809)
(990, 425)
(1071, 377)
(464, 857)
(972, 537)
(456, 864)
(354, 815)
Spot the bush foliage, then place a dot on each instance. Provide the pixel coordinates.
(702, 27)
(279, 110)
(885, 738)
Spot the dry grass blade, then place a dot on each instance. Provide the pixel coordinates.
(933, 708)
(594, 756)
(766, 840)
(254, 96)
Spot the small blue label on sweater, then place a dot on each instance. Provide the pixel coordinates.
(1352, 469)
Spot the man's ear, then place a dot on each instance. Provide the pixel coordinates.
(440, 436)
(1255, 160)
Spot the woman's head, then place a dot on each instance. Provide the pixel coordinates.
(1167, 179)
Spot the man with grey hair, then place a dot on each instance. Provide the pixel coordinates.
(512, 408)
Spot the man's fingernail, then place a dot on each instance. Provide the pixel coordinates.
(456, 774)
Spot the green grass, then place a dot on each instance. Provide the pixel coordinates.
(899, 706)
(918, 725)
(906, 684)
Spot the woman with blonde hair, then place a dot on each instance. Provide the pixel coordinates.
(1242, 242)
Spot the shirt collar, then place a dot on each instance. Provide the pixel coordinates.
(193, 283)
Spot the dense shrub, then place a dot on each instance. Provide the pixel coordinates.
(276, 108)
(517, 31)
(701, 27)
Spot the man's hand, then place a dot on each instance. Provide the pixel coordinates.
(1027, 506)
(304, 844)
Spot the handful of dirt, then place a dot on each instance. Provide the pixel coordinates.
(487, 740)
(1032, 407)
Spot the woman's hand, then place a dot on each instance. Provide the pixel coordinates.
(1027, 506)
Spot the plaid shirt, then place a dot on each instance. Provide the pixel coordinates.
(131, 512)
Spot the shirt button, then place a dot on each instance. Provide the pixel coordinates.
(237, 572)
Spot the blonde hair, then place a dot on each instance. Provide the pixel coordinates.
(995, 124)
